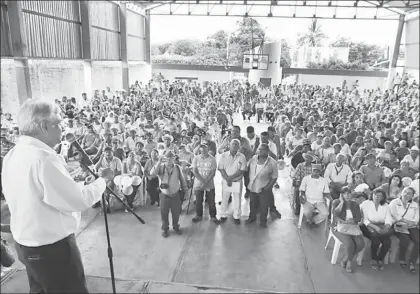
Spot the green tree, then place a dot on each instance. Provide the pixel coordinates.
(368, 54)
(313, 37)
(248, 29)
(163, 48)
(185, 47)
(218, 40)
(285, 59)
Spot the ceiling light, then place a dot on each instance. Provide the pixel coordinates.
(304, 3)
(246, 14)
(329, 3)
(270, 14)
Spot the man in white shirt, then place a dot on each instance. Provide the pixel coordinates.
(313, 191)
(84, 102)
(338, 175)
(46, 214)
(232, 165)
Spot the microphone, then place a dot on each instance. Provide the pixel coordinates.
(71, 138)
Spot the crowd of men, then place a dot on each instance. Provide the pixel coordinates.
(178, 134)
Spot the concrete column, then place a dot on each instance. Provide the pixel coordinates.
(123, 47)
(147, 37)
(20, 50)
(86, 46)
(395, 52)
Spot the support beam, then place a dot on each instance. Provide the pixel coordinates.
(123, 47)
(395, 52)
(147, 37)
(20, 50)
(86, 45)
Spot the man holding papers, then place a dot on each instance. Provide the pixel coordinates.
(232, 165)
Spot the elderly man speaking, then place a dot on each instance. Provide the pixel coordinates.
(45, 204)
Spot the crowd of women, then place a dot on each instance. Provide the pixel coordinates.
(365, 144)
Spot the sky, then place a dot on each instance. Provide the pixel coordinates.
(169, 28)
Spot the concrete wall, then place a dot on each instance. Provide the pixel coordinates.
(335, 78)
(337, 81)
(52, 79)
(139, 72)
(9, 87)
(106, 73)
(171, 74)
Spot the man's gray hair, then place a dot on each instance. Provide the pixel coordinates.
(33, 114)
(236, 141)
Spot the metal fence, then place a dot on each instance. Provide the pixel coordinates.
(136, 36)
(105, 30)
(53, 29)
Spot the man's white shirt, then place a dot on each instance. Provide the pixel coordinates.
(45, 206)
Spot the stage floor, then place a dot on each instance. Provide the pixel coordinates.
(210, 258)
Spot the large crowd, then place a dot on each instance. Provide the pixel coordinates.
(359, 149)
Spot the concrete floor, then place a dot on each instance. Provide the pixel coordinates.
(216, 258)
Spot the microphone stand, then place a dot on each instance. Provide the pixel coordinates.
(104, 207)
(85, 162)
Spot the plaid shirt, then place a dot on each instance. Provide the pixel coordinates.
(302, 170)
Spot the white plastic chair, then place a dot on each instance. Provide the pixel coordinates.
(337, 245)
(328, 201)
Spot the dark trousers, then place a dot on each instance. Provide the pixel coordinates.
(405, 241)
(54, 268)
(270, 117)
(259, 201)
(170, 203)
(377, 241)
(210, 199)
(248, 112)
(152, 189)
(259, 114)
(246, 180)
(130, 198)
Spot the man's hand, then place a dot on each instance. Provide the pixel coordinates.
(229, 183)
(302, 199)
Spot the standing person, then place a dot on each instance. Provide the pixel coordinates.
(204, 168)
(46, 214)
(171, 183)
(152, 183)
(232, 165)
(263, 175)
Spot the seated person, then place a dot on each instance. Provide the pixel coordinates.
(393, 188)
(377, 222)
(313, 191)
(405, 214)
(360, 190)
(346, 219)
